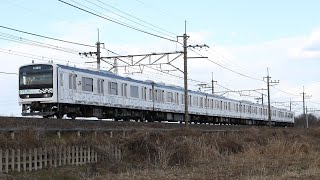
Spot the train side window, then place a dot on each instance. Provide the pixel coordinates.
(72, 81)
(100, 86)
(87, 84)
(150, 94)
(169, 97)
(61, 79)
(134, 91)
(201, 102)
(124, 89)
(144, 93)
(182, 98)
(113, 88)
(162, 95)
(177, 98)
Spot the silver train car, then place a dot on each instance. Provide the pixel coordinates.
(57, 90)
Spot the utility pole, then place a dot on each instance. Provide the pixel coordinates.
(185, 71)
(185, 74)
(307, 121)
(304, 96)
(212, 84)
(290, 104)
(97, 53)
(269, 104)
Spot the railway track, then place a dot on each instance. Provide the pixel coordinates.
(42, 124)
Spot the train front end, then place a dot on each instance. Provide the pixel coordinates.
(38, 90)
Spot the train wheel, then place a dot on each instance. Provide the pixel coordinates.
(59, 115)
(73, 116)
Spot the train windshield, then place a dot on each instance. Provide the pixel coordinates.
(36, 76)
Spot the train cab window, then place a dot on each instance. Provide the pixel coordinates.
(87, 84)
(100, 86)
(113, 88)
(134, 91)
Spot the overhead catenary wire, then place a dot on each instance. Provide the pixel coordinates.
(9, 73)
(33, 56)
(224, 67)
(46, 37)
(121, 16)
(130, 15)
(25, 41)
(117, 22)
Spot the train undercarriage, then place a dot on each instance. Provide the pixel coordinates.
(123, 114)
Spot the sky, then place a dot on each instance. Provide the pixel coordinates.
(246, 37)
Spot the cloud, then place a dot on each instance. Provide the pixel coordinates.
(309, 48)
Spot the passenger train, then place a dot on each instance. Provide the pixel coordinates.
(56, 90)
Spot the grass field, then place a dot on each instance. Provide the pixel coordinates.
(255, 153)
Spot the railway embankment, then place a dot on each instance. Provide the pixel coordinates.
(178, 153)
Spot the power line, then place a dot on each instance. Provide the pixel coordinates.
(32, 56)
(10, 73)
(21, 40)
(46, 37)
(114, 21)
(135, 17)
(285, 92)
(127, 18)
(241, 74)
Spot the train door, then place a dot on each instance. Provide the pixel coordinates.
(61, 86)
(71, 90)
(100, 87)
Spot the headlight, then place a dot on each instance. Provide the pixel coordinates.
(45, 95)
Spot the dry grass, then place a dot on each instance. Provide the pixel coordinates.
(188, 154)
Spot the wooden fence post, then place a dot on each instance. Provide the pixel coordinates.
(12, 159)
(50, 156)
(18, 160)
(77, 155)
(64, 155)
(24, 160)
(81, 155)
(55, 156)
(1, 161)
(40, 152)
(7, 160)
(45, 153)
(30, 160)
(69, 155)
(35, 162)
(60, 156)
(89, 154)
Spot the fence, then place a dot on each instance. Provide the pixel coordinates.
(39, 158)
